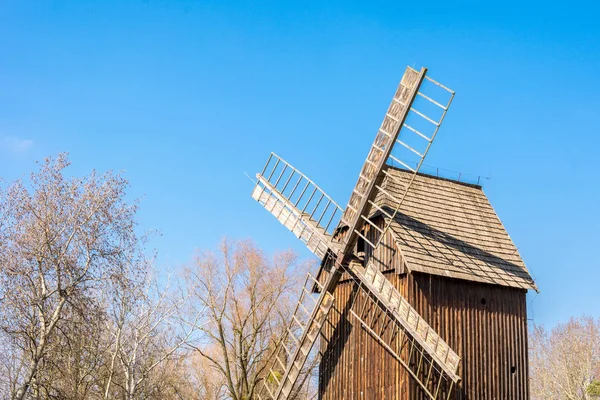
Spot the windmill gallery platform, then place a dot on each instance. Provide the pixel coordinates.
(421, 291)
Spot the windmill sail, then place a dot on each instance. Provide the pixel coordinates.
(405, 127)
(407, 319)
(299, 204)
(285, 366)
(356, 212)
(397, 129)
(432, 381)
(312, 216)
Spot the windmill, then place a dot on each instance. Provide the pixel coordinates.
(351, 246)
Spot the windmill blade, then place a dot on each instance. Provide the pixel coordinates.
(299, 204)
(405, 128)
(401, 131)
(406, 319)
(311, 215)
(286, 363)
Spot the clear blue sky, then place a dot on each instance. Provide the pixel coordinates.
(187, 96)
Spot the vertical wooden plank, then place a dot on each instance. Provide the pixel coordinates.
(490, 339)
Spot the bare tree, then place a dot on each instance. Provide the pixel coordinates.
(146, 334)
(565, 361)
(12, 364)
(74, 357)
(59, 238)
(246, 296)
(208, 379)
(83, 316)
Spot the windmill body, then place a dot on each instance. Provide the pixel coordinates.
(421, 292)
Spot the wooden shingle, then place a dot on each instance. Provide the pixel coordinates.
(450, 229)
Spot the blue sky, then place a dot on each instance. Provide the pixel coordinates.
(185, 97)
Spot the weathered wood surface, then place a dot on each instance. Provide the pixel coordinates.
(491, 339)
(450, 229)
(378, 154)
(300, 223)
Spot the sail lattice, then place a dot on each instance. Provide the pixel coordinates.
(409, 127)
(299, 204)
(285, 366)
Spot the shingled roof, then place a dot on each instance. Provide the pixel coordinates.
(449, 228)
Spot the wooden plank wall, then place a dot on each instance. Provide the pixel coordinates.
(485, 324)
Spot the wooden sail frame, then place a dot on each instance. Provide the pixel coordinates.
(271, 190)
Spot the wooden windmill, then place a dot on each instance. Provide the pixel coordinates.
(392, 302)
